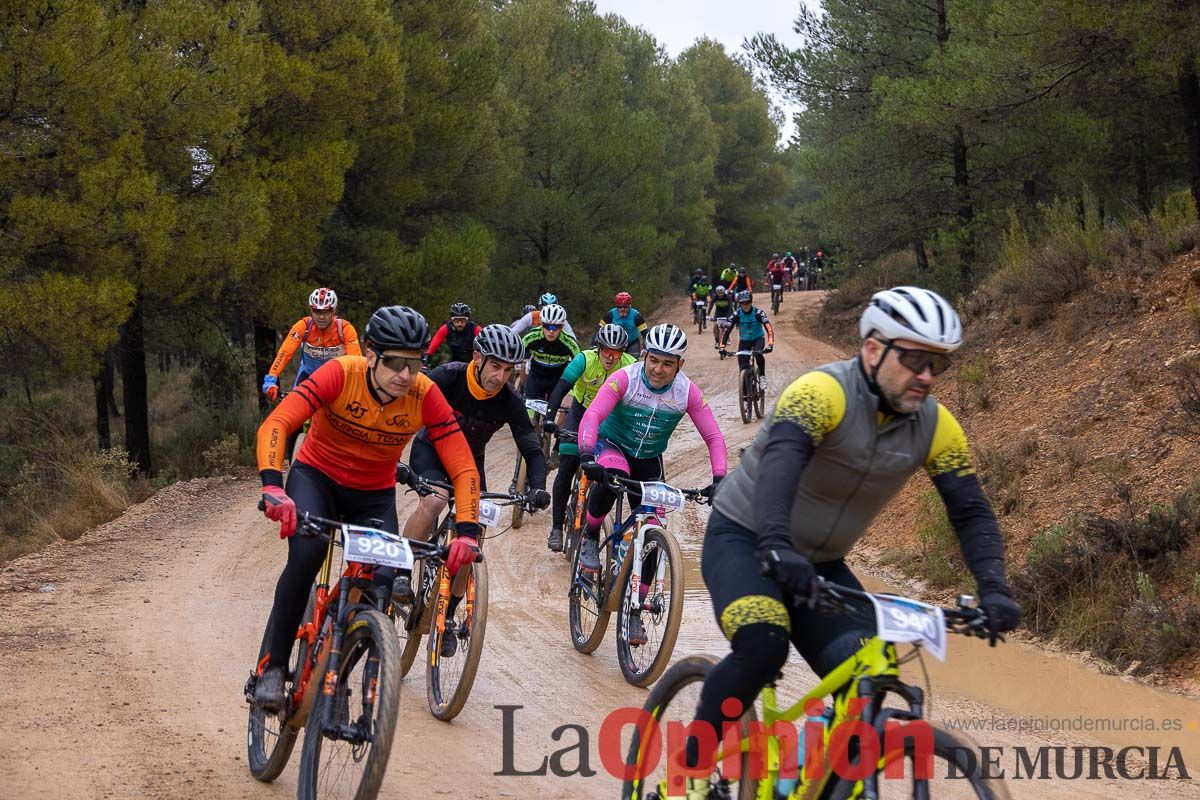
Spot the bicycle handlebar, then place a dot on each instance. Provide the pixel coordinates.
(310, 524)
(964, 619)
(426, 486)
(618, 483)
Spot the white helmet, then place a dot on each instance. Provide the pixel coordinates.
(667, 339)
(909, 312)
(554, 314)
(322, 299)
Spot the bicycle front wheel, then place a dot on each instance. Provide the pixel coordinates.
(760, 401)
(518, 515)
(746, 395)
(451, 670)
(955, 774)
(674, 699)
(659, 608)
(411, 621)
(349, 734)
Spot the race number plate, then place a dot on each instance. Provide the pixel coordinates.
(367, 549)
(777, 286)
(538, 406)
(489, 514)
(902, 620)
(662, 495)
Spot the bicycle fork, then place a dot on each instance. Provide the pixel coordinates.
(638, 598)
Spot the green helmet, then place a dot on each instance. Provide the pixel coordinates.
(789, 252)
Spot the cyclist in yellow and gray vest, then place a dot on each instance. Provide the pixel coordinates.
(840, 443)
(583, 377)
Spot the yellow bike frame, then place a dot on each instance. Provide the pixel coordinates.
(875, 659)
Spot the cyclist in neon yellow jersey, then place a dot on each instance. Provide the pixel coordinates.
(583, 378)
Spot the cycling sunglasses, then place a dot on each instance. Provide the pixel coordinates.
(459, 319)
(551, 328)
(610, 353)
(918, 360)
(400, 363)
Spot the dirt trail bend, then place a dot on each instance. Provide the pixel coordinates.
(124, 653)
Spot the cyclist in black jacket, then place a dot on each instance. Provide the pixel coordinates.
(483, 402)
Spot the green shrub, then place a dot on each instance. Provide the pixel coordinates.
(1095, 582)
(973, 376)
(1175, 218)
(223, 456)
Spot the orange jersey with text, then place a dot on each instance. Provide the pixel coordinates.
(316, 346)
(357, 442)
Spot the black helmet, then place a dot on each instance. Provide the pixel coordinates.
(501, 343)
(741, 270)
(460, 310)
(397, 328)
(698, 273)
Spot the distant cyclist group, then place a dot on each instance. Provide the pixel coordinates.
(839, 443)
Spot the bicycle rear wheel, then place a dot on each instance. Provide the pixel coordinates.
(349, 735)
(955, 775)
(270, 738)
(674, 698)
(776, 297)
(661, 611)
(587, 599)
(448, 679)
(746, 395)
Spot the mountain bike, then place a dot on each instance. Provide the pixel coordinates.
(520, 480)
(654, 592)
(751, 392)
(344, 645)
(723, 324)
(448, 677)
(776, 297)
(700, 314)
(811, 765)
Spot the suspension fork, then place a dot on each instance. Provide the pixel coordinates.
(341, 616)
(635, 569)
(581, 500)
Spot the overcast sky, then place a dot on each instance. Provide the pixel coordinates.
(676, 24)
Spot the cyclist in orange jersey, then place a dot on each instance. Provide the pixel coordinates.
(364, 411)
(319, 337)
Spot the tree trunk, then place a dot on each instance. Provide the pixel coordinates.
(922, 257)
(103, 435)
(1189, 96)
(110, 381)
(966, 210)
(264, 354)
(1141, 173)
(133, 376)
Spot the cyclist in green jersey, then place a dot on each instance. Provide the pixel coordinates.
(583, 377)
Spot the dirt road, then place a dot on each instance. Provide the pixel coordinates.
(124, 655)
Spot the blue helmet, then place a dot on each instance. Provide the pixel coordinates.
(547, 299)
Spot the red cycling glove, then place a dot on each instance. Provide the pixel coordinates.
(463, 551)
(279, 508)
